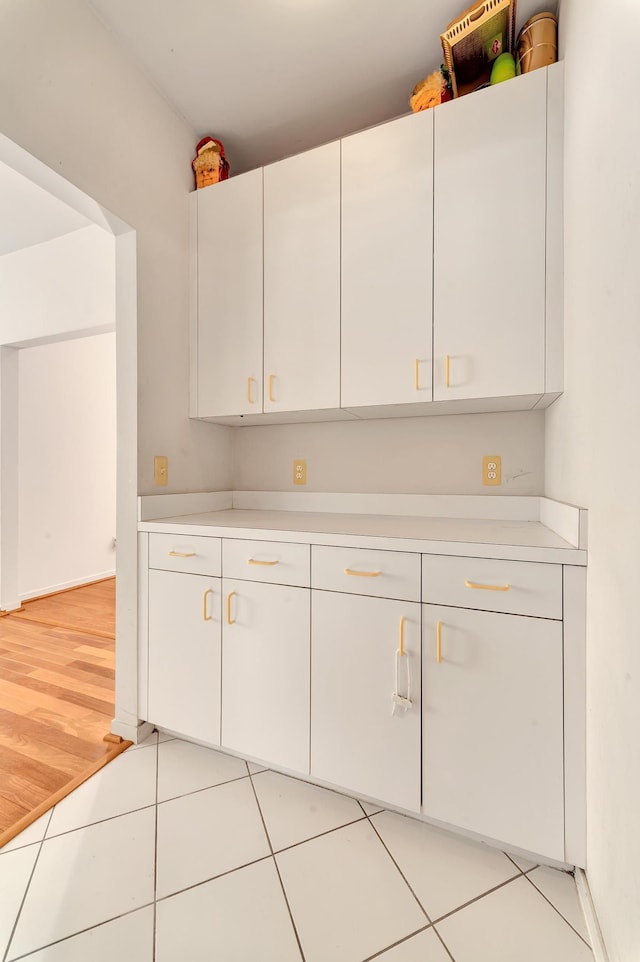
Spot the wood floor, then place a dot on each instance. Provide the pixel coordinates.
(56, 698)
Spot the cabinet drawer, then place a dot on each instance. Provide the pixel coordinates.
(513, 587)
(197, 555)
(357, 571)
(276, 562)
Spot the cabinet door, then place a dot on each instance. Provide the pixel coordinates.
(387, 248)
(356, 741)
(184, 654)
(302, 281)
(493, 726)
(229, 284)
(265, 672)
(489, 242)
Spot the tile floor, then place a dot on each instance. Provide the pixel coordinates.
(175, 852)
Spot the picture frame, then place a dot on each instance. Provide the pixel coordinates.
(474, 40)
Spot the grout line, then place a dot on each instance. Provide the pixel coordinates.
(444, 944)
(155, 856)
(382, 842)
(207, 788)
(101, 821)
(213, 878)
(394, 945)
(312, 838)
(556, 909)
(90, 928)
(477, 898)
(277, 868)
(521, 870)
(24, 897)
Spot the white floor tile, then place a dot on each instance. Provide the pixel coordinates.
(371, 809)
(423, 947)
(524, 863)
(87, 877)
(34, 833)
(254, 768)
(124, 785)
(513, 923)
(294, 810)
(150, 742)
(15, 870)
(184, 767)
(444, 871)
(240, 917)
(561, 891)
(347, 898)
(128, 938)
(208, 833)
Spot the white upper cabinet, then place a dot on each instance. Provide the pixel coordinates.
(490, 215)
(387, 251)
(302, 281)
(229, 297)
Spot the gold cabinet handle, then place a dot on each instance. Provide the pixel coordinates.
(362, 574)
(439, 642)
(182, 554)
(270, 388)
(401, 641)
(230, 620)
(416, 374)
(250, 381)
(471, 584)
(447, 371)
(254, 561)
(205, 616)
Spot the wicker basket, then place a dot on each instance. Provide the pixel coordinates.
(537, 42)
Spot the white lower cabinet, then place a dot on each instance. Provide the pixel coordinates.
(265, 672)
(493, 726)
(356, 741)
(184, 654)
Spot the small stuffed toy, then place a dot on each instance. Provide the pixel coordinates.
(433, 90)
(210, 164)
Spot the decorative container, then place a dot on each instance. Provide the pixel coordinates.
(210, 164)
(537, 44)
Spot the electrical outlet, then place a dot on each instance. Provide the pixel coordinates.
(160, 469)
(299, 471)
(492, 469)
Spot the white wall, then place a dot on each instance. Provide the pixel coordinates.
(66, 463)
(78, 104)
(593, 452)
(428, 455)
(63, 286)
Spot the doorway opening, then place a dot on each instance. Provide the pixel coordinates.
(68, 413)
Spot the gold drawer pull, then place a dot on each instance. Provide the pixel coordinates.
(270, 388)
(182, 554)
(362, 574)
(439, 642)
(205, 616)
(254, 561)
(250, 381)
(401, 642)
(416, 374)
(447, 371)
(230, 620)
(470, 584)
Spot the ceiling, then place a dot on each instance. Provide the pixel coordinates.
(30, 215)
(271, 78)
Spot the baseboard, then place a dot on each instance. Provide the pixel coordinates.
(588, 909)
(66, 586)
(134, 733)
